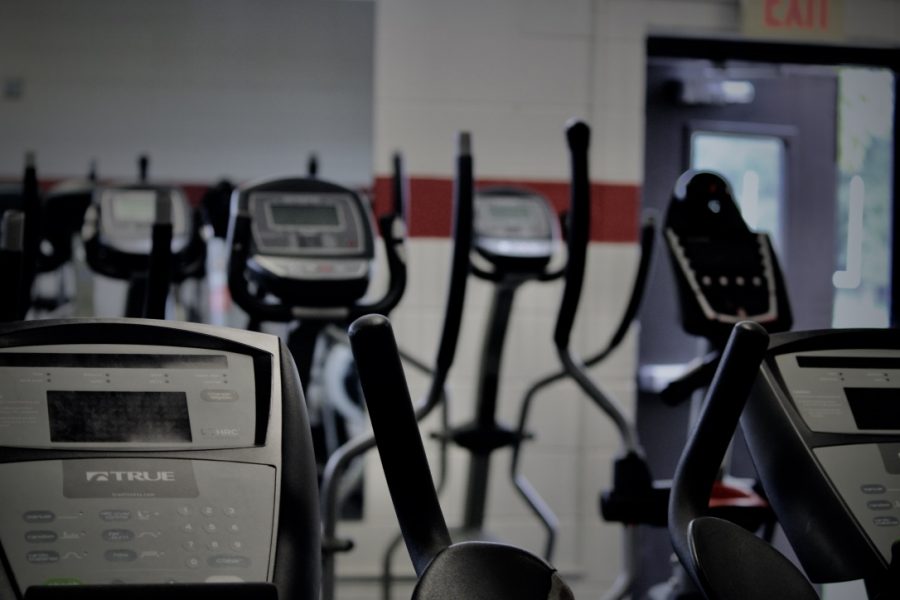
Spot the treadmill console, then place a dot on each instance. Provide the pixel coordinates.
(313, 242)
(515, 227)
(828, 404)
(146, 452)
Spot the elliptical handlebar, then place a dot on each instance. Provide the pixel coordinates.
(578, 136)
(239, 242)
(12, 234)
(402, 453)
(343, 456)
(31, 204)
(400, 188)
(159, 273)
(143, 168)
(706, 447)
(463, 199)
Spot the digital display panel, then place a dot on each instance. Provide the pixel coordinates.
(304, 214)
(107, 416)
(509, 211)
(134, 206)
(875, 408)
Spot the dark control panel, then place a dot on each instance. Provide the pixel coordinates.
(515, 226)
(311, 235)
(138, 451)
(823, 427)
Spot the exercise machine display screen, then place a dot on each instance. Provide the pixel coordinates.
(127, 216)
(877, 408)
(514, 226)
(100, 416)
(288, 214)
(509, 211)
(133, 206)
(138, 397)
(850, 391)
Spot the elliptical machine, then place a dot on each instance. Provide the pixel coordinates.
(302, 252)
(823, 402)
(578, 234)
(119, 233)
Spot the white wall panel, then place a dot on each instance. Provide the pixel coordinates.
(232, 88)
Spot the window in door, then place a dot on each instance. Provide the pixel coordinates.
(864, 190)
(755, 167)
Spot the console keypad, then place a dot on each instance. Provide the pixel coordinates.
(226, 531)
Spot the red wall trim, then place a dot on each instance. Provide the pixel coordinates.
(614, 208)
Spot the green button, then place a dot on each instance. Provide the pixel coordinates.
(63, 581)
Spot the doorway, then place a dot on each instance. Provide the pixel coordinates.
(805, 136)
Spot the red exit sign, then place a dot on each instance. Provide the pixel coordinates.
(794, 19)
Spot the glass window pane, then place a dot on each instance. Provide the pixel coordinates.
(754, 166)
(864, 191)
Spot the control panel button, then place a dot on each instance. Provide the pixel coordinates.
(187, 528)
(62, 581)
(237, 545)
(189, 545)
(229, 511)
(210, 528)
(120, 555)
(219, 395)
(879, 504)
(872, 488)
(223, 579)
(39, 516)
(227, 561)
(886, 521)
(117, 535)
(184, 511)
(192, 563)
(207, 511)
(214, 545)
(40, 537)
(42, 557)
(115, 515)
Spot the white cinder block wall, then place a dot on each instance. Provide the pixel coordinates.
(208, 89)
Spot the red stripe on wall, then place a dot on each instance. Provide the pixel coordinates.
(614, 207)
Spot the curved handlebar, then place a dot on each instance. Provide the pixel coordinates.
(143, 168)
(159, 273)
(400, 189)
(578, 136)
(12, 234)
(706, 447)
(239, 242)
(31, 205)
(399, 443)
